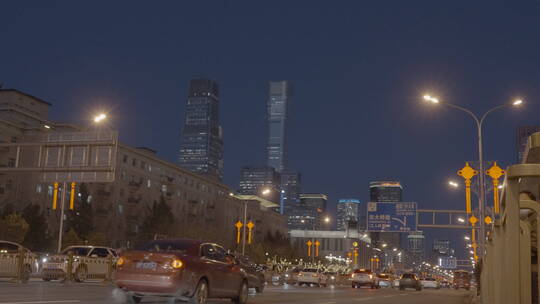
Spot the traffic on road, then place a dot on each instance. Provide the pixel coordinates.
(200, 272)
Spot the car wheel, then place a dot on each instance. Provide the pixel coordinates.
(260, 288)
(372, 286)
(81, 274)
(26, 274)
(401, 288)
(134, 299)
(46, 279)
(201, 293)
(242, 295)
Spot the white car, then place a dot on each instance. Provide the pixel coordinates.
(430, 283)
(364, 277)
(385, 281)
(9, 258)
(88, 262)
(310, 276)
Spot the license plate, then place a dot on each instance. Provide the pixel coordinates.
(146, 265)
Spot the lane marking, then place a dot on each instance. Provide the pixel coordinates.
(43, 302)
(389, 296)
(363, 299)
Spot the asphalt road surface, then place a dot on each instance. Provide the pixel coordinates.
(37, 292)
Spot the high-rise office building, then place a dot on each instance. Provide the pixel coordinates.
(416, 246)
(309, 213)
(347, 214)
(442, 247)
(279, 96)
(386, 191)
(201, 143)
(262, 181)
(523, 134)
(291, 185)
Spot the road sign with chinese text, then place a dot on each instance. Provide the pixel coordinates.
(391, 217)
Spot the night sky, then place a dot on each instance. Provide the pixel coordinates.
(359, 70)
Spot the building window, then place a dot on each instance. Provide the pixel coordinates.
(120, 208)
(38, 188)
(89, 199)
(123, 176)
(134, 162)
(149, 168)
(163, 188)
(148, 183)
(11, 162)
(50, 190)
(143, 164)
(14, 139)
(125, 159)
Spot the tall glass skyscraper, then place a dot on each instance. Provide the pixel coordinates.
(201, 142)
(291, 185)
(277, 108)
(347, 214)
(386, 191)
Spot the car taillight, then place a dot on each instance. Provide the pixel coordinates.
(120, 261)
(177, 264)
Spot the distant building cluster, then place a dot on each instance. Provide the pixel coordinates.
(198, 200)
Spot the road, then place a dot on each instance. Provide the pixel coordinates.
(37, 292)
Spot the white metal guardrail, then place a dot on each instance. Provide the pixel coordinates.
(509, 270)
(19, 267)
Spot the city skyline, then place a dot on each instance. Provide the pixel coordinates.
(358, 109)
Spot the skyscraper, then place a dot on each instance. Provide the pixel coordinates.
(260, 181)
(522, 137)
(309, 212)
(291, 185)
(347, 214)
(277, 110)
(386, 191)
(416, 248)
(201, 142)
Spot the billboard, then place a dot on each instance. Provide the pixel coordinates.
(391, 216)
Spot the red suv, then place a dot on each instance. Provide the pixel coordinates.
(186, 270)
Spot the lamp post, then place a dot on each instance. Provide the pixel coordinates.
(479, 123)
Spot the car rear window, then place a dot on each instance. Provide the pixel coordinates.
(362, 271)
(383, 276)
(80, 251)
(310, 270)
(407, 276)
(166, 246)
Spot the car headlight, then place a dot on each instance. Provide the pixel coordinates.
(332, 278)
(286, 275)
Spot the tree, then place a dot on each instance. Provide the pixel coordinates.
(97, 239)
(71, 238)
(13, 228)
(37, 237)
(159, 221)
(80, 219)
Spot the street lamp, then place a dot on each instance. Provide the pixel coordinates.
(453, 184)
(266, 191)
(461, 220)
(479, 123)
(327, 219)
(100, 117)
(467, 238)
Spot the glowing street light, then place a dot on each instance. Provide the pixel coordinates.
(266, 191)
(467, 238)
(384, 245)
(327, 219)
(479, 121)
(461, 220)
(453, 184)
(100, 117)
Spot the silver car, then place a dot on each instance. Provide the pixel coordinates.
(9, 259)
(88, 262)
